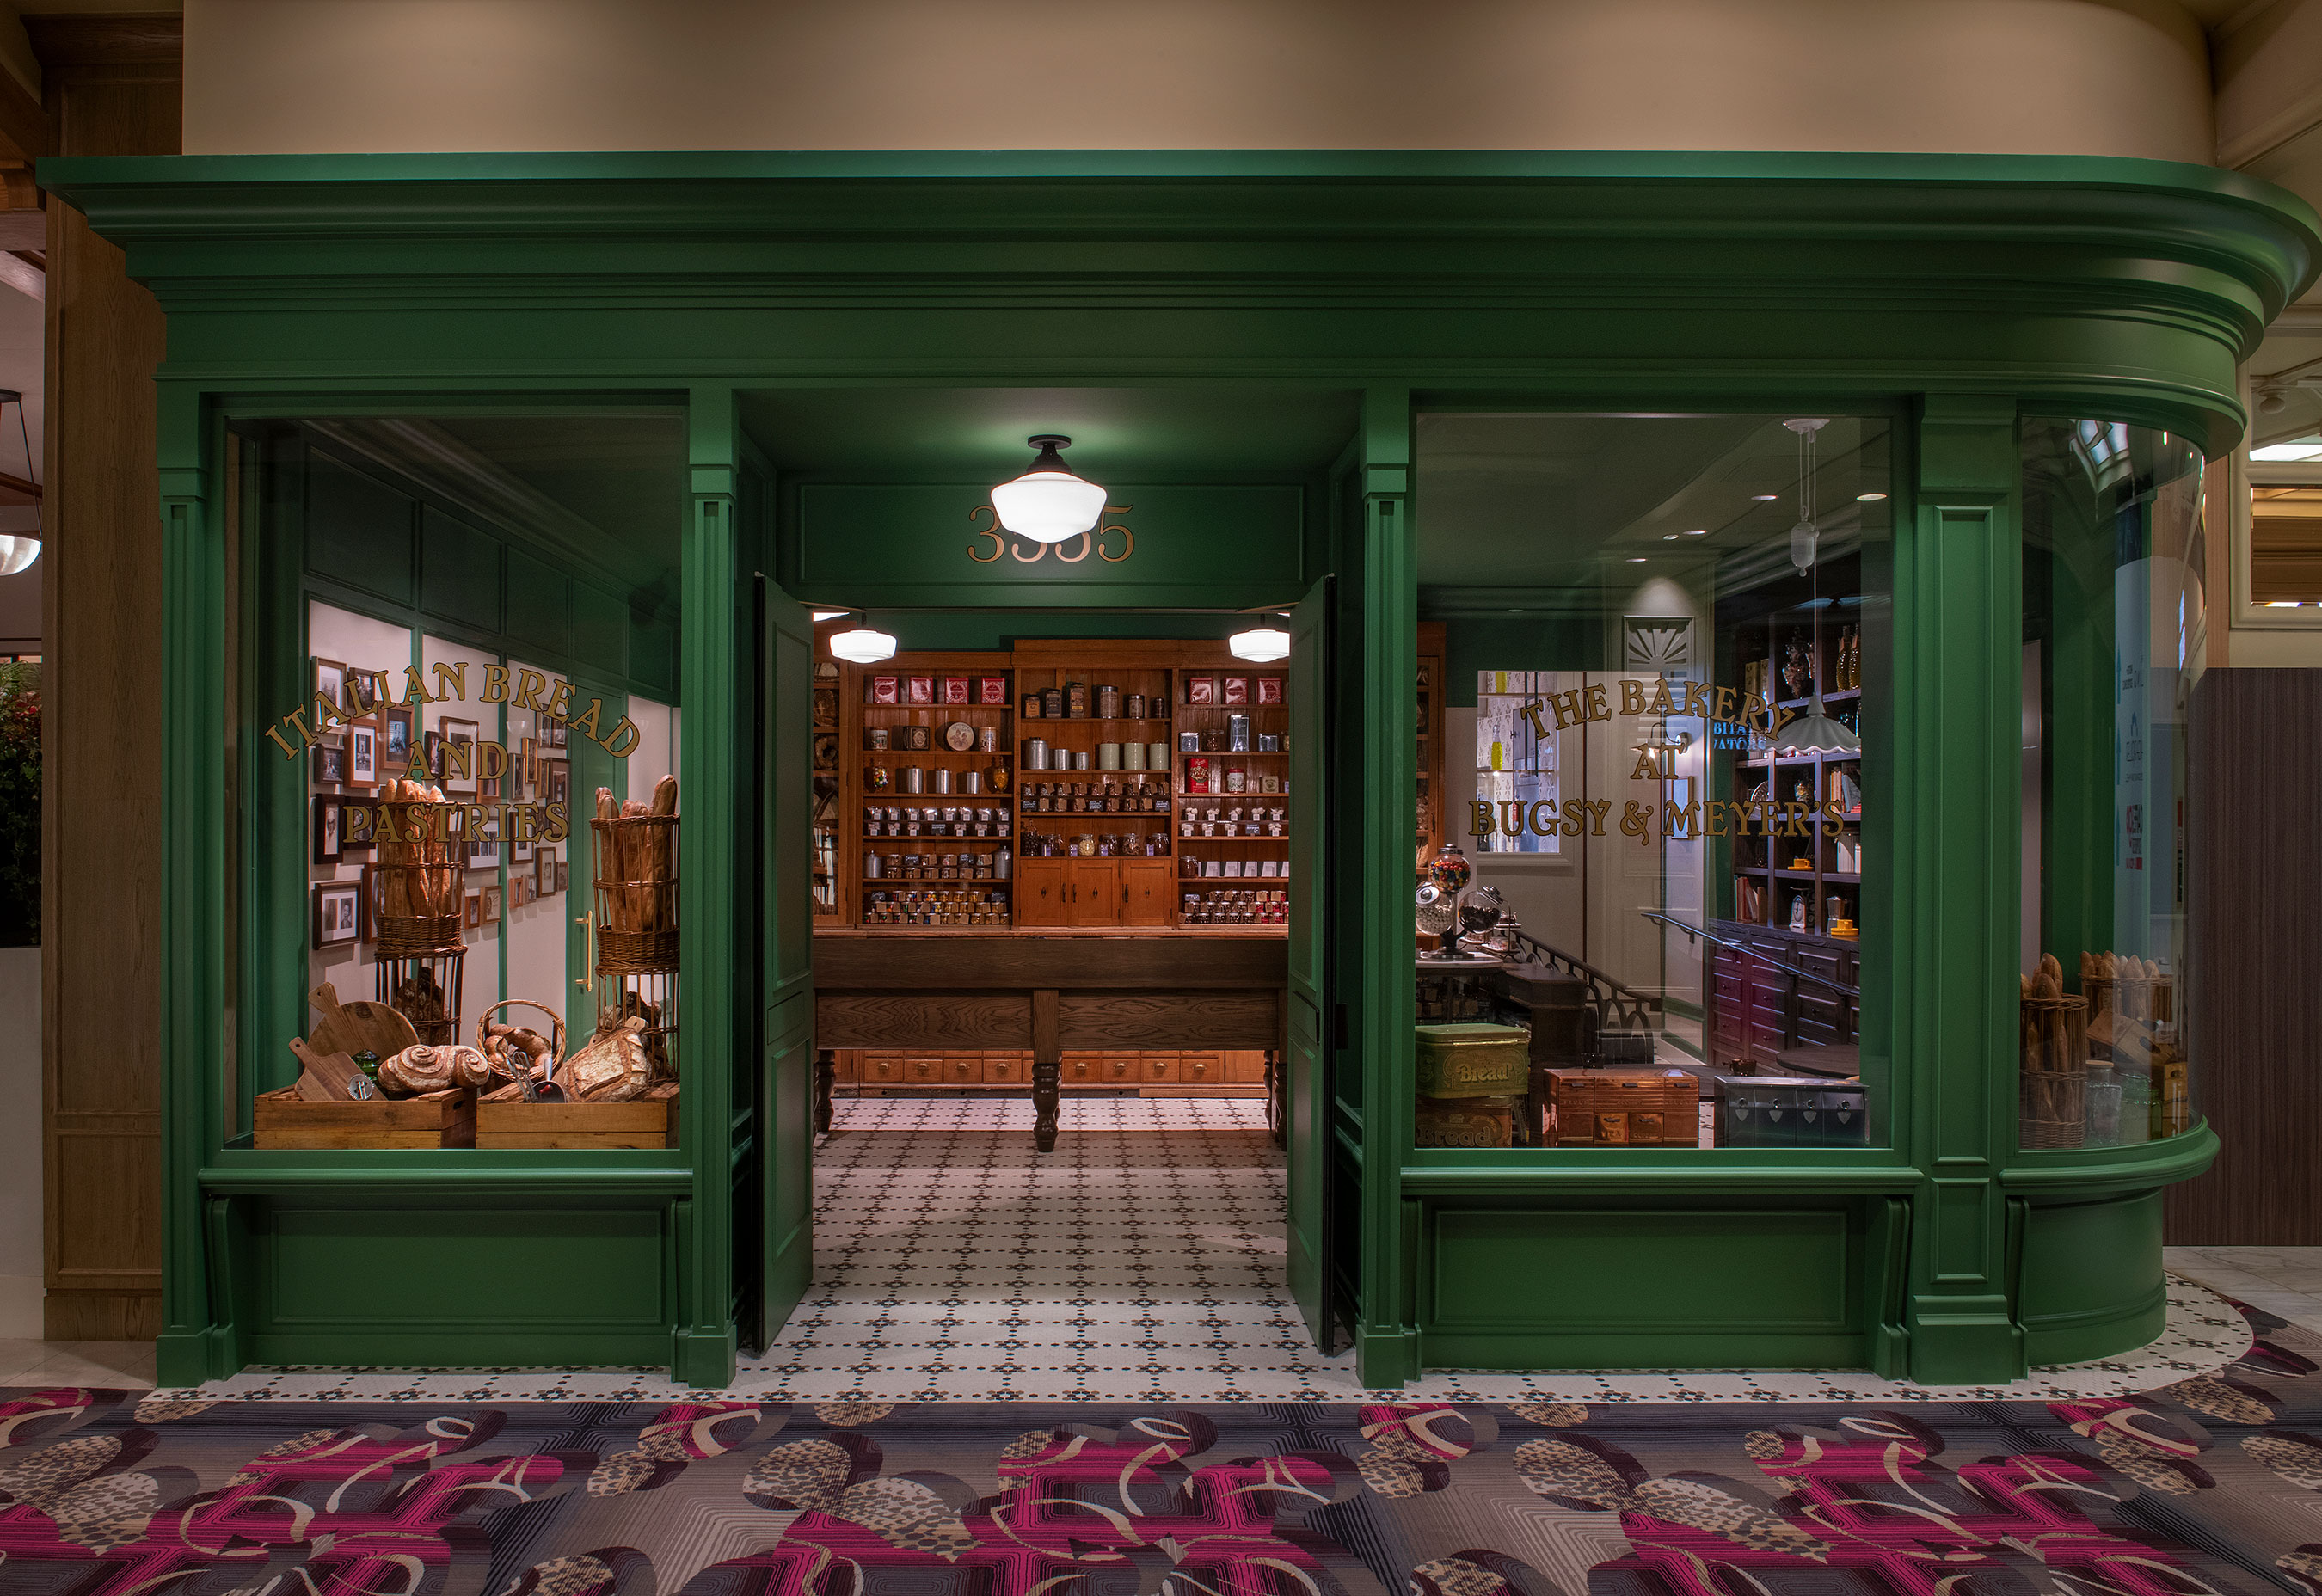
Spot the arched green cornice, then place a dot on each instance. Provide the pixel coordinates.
(2089, 285)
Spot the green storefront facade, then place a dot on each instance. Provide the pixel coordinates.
(724, 297)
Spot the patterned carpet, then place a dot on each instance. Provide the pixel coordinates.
(2210, 1485)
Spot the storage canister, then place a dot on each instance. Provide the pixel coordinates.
(1472, 1059)
(942, 780)
(1108, 755)
(915, 780)
(1132, 756)
(1035, 753)
(1108, 702)
(1157, 756)
(971, 781)
(1135, 708)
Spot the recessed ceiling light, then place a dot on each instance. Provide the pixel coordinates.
(828, 615)
(1636, 558)
(1869, 498)
(1765, 499)
(1668, 537)
(1698, 532)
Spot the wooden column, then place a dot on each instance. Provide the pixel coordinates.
(112, 88)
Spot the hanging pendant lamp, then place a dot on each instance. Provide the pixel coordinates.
(1813, 732)
(1049, 504)
(19, 550)
(861, 645)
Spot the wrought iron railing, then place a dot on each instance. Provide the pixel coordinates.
(1616, 1008)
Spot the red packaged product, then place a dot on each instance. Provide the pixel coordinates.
(920, 689)
(1197, 775)
(1201, 689)
(886, 689)
(992, 689)
(1237, 689)
(955, 689)
(1270, 689)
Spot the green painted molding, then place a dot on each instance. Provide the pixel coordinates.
(2080, 1172)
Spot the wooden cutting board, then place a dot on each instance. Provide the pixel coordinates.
(328, 1074)
(351, 1027)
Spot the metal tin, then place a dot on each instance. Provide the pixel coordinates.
(1189, 742)
(1134, 709)
(1108, 754)
(987, 739)
(1236, 733)
(1132, 756)
(915, 780)
(1108, 702)
(1471, 1061)
(874, 738)
(971, 781)
(1157, 756)
(1035, 753)
(942, 781)
(1031, 710)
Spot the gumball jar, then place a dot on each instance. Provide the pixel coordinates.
(1450, 871)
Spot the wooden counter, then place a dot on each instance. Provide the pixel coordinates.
(961, 991)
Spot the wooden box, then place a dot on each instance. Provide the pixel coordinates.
(441, 1119)
(503, 1119)
(1464, 1122)
(1624, 1109)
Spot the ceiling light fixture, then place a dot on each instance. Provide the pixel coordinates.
(1049, 504)
(1698, 532)
(1668, 537)
(1868, 498)
(861, 645)
(1636, 558)
(1765, 499)
(1813, 732)
(19, 550)
(1260, 646)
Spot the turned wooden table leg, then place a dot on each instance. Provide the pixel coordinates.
(1048, 1069)
(825, 1075)
(1278, 1097)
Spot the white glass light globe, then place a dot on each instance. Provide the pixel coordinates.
(1261, 646)
(862, 646)
(1048, 507)
(16, 553)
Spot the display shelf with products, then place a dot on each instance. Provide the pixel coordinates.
(1427, 832)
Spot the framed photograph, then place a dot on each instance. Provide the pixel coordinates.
(431, 753)
(492, 904)
(460, 758)
(358, 826)
(471, 909)
(338, 913)
(528, 767)
(331, 761)
(545, 872)
(558, 789)
(519, 890)
(366, 691)
(330, 679)
(554, 731)
(363, 753)
(394, 739)
(520, 853)
(563, 875)
(325, 830)
(484, 850)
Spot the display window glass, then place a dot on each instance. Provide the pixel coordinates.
(458, 641)
(1649, 900)
(2114, 625)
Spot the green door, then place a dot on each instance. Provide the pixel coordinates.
(783, 1128)
(1306, 1117)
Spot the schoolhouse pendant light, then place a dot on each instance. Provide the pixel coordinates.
(19, 550)
(1813, 732)
(1261, 645)
(1049, 504)
(861, 645)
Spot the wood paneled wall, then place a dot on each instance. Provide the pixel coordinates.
(2256, 940)
(112, 87)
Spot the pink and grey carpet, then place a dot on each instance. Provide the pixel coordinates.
(2209, 1487)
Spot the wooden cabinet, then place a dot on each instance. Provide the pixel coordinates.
(1764, 998)
(1149, 891)
(1093, 885)
(1162, 1073)
(1043, 892)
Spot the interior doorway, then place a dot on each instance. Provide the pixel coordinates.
(1050, 1121)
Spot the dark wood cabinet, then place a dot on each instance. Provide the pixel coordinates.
(1763, 1000)
(1044, 892)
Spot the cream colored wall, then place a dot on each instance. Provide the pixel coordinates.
(2081, 76)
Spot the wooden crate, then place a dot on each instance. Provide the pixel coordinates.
(1624, 1109)
(441, 1119)
(505, 1120)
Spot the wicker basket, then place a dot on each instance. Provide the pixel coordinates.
(2054, 1106)
(555, 1032)
(635, 878)
(422, 986)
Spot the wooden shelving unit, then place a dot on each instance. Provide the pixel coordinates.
(1429, 835)
(1135, 817)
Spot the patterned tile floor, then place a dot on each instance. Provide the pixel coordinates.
(957, 1265)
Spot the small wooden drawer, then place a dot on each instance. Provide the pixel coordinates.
(1156, 1067)
(1124, 1069)
(883, 1067)
(927, 1070)
(964, 1069)
(847, 1064)
(1081, 1069)
(1006, 1069)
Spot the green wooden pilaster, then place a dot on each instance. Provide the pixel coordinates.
(195, 686)
(713, 639)
(1375, 818)
(1958, 602)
